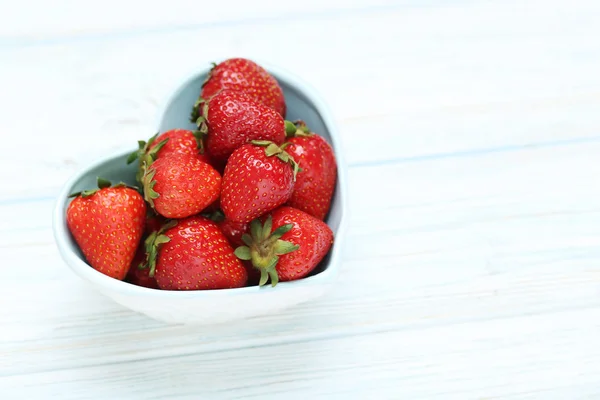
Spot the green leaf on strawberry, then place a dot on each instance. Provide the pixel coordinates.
(264, 247)
(153, 243)
(271, 149)
(148, 183)
(146, 153)
(102, 184)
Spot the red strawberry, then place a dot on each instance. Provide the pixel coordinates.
(253, 273)
(246, 76)
(292, 250)
(175, 141)
(181, 141)
(213, 208)
(232, 230)
(256, 180)
(107, 225)
(232, 118)
(138, 275)
(153, 221)
(315, 183)
(180, 186)
(193, 254)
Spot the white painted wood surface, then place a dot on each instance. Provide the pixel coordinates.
(472, 265)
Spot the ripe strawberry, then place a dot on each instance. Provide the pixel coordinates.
(232, 118)
(180, 185)
(253, 273)
(174, 141)
(259, 177)
(292, 250)
(153, 221)
(246, 76)
(107, 225)
(315, 183)
(138, 275)
(193, 254)
(232, 230)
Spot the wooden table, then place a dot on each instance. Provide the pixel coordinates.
(472, 264)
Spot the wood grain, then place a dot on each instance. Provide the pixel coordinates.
(471, 267)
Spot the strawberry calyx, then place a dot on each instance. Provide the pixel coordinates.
(208, 76)
(152, 245)
(271, 149)
(196, 112)
(143, 147)
(102, 184)
(264, 247)
(199, 116)
(297, 128)
(148, 183)
(145, 155)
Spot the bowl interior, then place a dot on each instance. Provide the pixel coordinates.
(176, 115)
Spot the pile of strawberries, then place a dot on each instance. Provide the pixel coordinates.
(239, 201)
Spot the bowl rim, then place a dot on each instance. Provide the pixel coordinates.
(106, 283)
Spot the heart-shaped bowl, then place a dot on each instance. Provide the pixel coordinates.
(211, 306)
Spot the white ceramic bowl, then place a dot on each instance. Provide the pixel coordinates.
(211, 306)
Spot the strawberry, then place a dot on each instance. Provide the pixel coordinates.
(153, 221)
(232, 118)
(181, 141)
(259, 176)
(253, 273)
(289, 245)
(245, 76)
(138, 275)
(193, 254)
(232, 230)
(107, 225)
(174, 141)
(180, 185)
(315, 183)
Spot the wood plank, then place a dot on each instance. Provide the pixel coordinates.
(439, 90)
(550, 356)
(68, 20)
(471, 264)
(445, 244)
